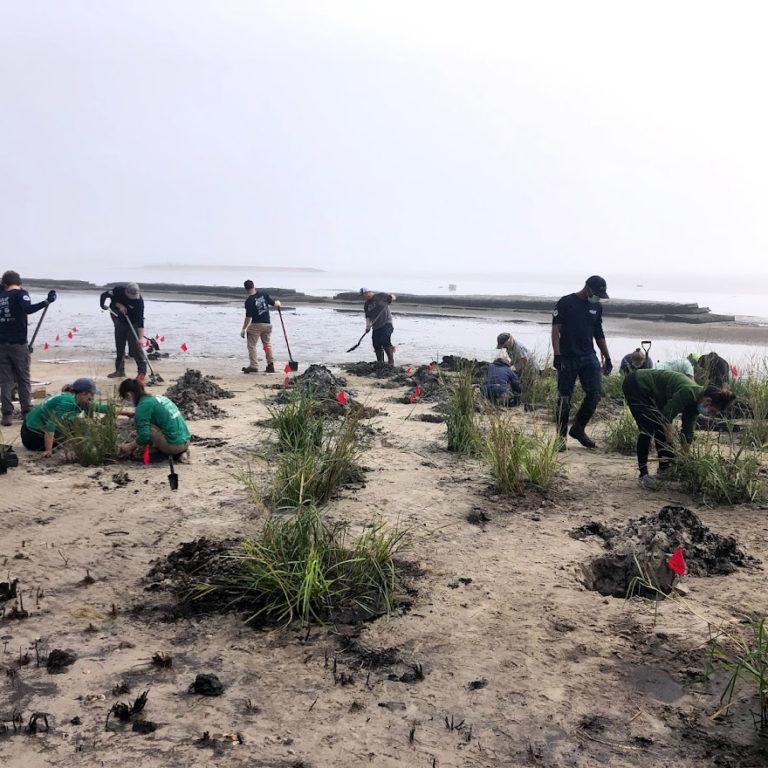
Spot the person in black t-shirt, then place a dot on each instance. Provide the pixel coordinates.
(15, 306)
(577, 322)
(126, 306)
(378, 318)
(258, 326)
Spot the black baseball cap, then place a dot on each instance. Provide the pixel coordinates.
(598, 286)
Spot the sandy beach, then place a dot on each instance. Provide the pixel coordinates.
(522, 665)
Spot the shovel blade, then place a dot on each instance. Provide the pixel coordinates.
(173, 481)
(293, 365)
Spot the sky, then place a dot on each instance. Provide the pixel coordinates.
(484, 136)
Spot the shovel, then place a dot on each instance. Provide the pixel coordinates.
(154, 378)
(173, 478)
(368, 330)
(292, 364)
(646, 345)
(37, 330)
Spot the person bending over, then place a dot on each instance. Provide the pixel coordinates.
(655, 399)
(126, 308)
(635, 361)
(158, 421)
(501, 385)
(378, 318)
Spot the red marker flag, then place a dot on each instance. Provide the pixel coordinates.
(734, 370)
(157, 337)
(184, 346)
(74, 329)
(677, 562)
(70, 335)
(45, 346)
(411, 398)
(417, 391)
(287, 381)
(145, 456)
(287, 368)
(341, 396)
(162, 338)
(57, 338)
(409, 370)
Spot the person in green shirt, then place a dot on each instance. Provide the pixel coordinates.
(42, 425)
(159, 422)
(656, 398)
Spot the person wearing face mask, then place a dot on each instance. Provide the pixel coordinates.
(577, 323)
(655, 399)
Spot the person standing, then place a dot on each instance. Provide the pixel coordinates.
(577, 322)
(126, 307)
(378, 318)
(15, 306)
(258, 326)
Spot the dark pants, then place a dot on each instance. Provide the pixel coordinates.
(31, 440)
(382, 337)
(505, 398)
(585, 369)
(14, 372)
(123, 336)
(650, 424)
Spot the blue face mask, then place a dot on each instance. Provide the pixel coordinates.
(703, 409)
(594, 299)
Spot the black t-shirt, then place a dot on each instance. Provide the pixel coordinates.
(256, 307)
(580, 322)
(15, 305)
(135, 307)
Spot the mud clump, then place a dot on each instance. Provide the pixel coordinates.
(325, 387)
(454, 363)
(207, 685)
(59, 660)
(431, 418)
(193, 393)
(376, 370)
(651, 540)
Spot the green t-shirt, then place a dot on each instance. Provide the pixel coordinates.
(673, 394)
(56, 410)
(163, 413)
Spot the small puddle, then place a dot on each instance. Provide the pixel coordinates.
(657, 683)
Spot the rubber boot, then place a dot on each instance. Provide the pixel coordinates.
(270, 368)
(118, 374)
(380, 355)
(562, 415)
(391, 356)
(584, 414)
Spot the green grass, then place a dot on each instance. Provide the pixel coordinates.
(751, 392)
(460, 420)
(299, 424)
(310, 570)
(91, 439)
(621, 433)
(612, 386)
(517, 460)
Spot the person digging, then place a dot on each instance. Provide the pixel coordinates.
(159, 423)
(126, 306)
(577, 322)
(378, 319)
(257, 326)
(15, 353)
(656, 398)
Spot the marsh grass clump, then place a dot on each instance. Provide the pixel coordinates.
(612, 386)
(721, 471)
(307, 569)
(517, 460)
(311, 473)
(751, 405)
(621, 433)
(460, 419)
(91, 439)
(299, 424)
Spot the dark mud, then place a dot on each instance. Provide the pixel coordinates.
(207, 685)
(59, 660)
(652, 539)
(431, 418)
(376, 370)
(193, 394)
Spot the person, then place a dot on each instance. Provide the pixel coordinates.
(42, 426)
(378, 318)
(635, 361)
(577, 320)
(158, 421)
(677, 364)
(655, 398)
(501, 385)
(15, 306)
(711, 369)
(518, 355)
(126, 306)
(258, 326)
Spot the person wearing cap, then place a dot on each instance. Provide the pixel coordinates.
(257, 326)
(519, 356)
(378, 318)
(158, 421)
(501, 385)
(15, 307)
(126, 306)
(577, 323)
(635, 361)
(43, 424)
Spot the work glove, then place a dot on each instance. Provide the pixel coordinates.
(51, 297)
(277, 303)
(242, 334)
(368, 325)
(556, 362)
(607, 366)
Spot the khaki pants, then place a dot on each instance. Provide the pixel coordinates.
(255, 332)
(159, 442)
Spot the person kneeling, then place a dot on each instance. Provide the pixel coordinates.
(501, 385)
(158, 421)
(655, 398)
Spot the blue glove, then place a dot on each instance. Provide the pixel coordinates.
(51, 297)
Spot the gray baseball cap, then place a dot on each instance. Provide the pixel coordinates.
(132, 291)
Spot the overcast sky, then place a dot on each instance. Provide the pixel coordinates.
(597, 136)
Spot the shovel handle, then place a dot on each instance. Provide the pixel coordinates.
(285, 335)
(37, 329)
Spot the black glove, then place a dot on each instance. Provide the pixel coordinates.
(607, 366)
(556, 362)
(51, 297)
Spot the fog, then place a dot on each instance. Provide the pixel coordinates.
(402, 136)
